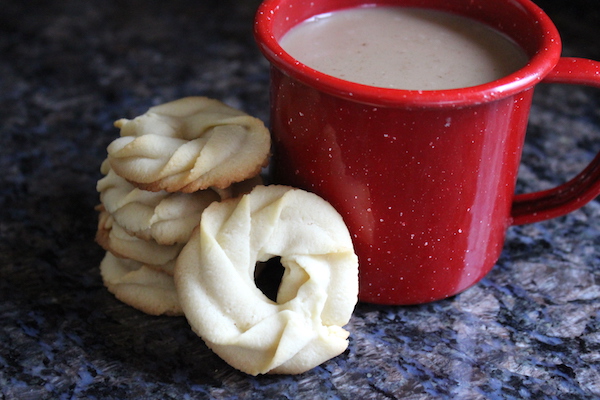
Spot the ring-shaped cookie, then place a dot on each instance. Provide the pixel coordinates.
(114, 239)
(214, 276)
(167, 218)
(188, 145)
(140, 286)
(164, 217)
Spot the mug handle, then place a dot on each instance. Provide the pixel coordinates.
(583, 188)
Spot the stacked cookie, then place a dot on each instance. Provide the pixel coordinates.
(185, 224)
(167, 166)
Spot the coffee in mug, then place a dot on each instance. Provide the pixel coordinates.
(403, 48)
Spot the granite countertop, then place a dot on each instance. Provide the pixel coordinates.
(69, 68)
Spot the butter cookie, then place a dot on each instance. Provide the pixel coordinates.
(188, 145)
(214, 276)
(139, 286)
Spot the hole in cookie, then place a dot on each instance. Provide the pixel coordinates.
(267, 277)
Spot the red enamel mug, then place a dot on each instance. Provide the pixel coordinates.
(427, 202)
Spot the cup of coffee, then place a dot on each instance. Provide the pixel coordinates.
(409, 117)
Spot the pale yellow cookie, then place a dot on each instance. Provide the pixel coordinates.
(188, 145)
(135, 284)
(214, 276)
(167, 218)
(116, 240)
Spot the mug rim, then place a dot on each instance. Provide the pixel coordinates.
(540, 64)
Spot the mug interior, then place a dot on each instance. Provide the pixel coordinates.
(521, 20)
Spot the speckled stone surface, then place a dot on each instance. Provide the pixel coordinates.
(69, 68)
